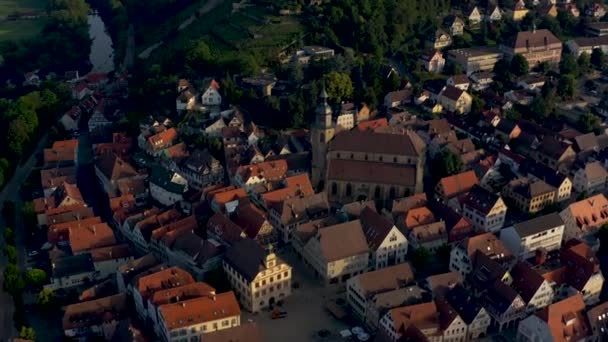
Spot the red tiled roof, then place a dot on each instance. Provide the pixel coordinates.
(298, 185)
(419, 216)
(567, 319)
(110, 252)
(372, 124)
(61, 231)
(171, 277)
(90, 237)
(199, 310)
(458, 184)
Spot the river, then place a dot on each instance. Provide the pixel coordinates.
(102, 51)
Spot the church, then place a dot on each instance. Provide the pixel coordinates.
(364, 165)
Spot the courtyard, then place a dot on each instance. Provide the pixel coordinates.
(306, 314)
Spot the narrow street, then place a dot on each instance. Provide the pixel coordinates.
(11, 193)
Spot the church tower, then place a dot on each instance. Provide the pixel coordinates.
(322, 131)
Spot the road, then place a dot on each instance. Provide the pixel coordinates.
(208, 6)
(11, 193)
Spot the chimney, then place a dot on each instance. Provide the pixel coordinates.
(541, 256)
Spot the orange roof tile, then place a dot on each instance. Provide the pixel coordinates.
(185, 292)
(230, 195)
(372, 124)
(591, 212)
(488, 244)
(73, 143)
(298, 185)
(423, 316)
(199, 310)
(125, 202)
(419, 216)
(163, 138)
(162, 280)
(458, 184)
(61, 231)
(95, 312)
(271, 171)
(567, 319)
(94, 236)
(110, 252)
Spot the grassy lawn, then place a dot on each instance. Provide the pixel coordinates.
(22, 29)
(10, 6)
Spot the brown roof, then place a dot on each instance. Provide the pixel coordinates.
(162, 280)
(460, 79)
(123, 202)
(399, 95)
(355, 209)
(403, 205)
(461, 146)
(114, 168)
(61, 151)
(227, 230)
(440, 284)
(246, 332)
(51, 178)
(60, 231)
(430, 232)
(270, 171)
(481, 199)
(185, 292)
(423, 316)
(458, 184)
(95, 312)
(526, 280)
(300, 208)
(229, 195)
(419, 216)
(178, 152)
(488, 244)
(535, 39)
(594, 314)
(298, 185)
(199, 310)
(163, 138)
(342, 241)
(251, 219)
(595, 170)
(529, 188)
(582, 264)
(375, 227)
(383, 143)
(385, 279)
(110, 252)
(437, 126)
(452, 93)
(371, 172)
(138, 264)
(566, 319)
(134, 186)
(69, 214)
(90, 237)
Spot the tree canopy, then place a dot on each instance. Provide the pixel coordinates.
(338, 86)
(519, 65)
(35, 277)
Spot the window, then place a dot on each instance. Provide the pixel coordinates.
(225, 323)
(377, 192)
(349, 189)
(394, 159)
(334, 188)
(338, 155)
(286, 274)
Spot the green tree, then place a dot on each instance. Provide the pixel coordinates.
(568, 65)
(9, 236)
(540, 108)
(501, 70)
(27, 333)
(588, 122)
(338, 86)
(13, 282)
(447, 163)
(584, 63)
(17, 136)
(198, 55)
(46, 299)
(35, 277)
(477, 105)
(598, 58)
(565, 86)
(519, 65)
(11, 253)
(420, 258)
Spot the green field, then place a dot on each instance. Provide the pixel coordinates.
(11, 6)
(22, 29)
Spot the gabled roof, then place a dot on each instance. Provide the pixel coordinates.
(199, 310)
(488, 244)
(535, 39)
(403, 205)
(342, 241)
(94, 236)
(422, 316)
(500, 296)
(164, 279)
(375, 227)
(95, 312)
(408, 144)
(440, 284)
(114, 167)
(538, 224)
(465, 305)
(452, 93)
(247, 257)
(163, 138)
(185, 292)
(251, 219)
(419, 216)
(529, 188)
(526, 280)
(458, 184)
(385, 279)
(566, 319)
(371, 172)
(481, 199)
(300, 208)
(270, 171)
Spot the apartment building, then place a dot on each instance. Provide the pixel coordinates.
(463, 254)
(476, 59)
(536, 46)
(525, 238)
(583, 218)
(535, 291)
(189, 319)
(475, 317)
(258, 276)
(562, 321)
(362, 290)
(529, 195)
(335, 251)
(590, 178)
(485, 210)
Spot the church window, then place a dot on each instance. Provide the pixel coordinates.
(334, 188)
(349, 189)
(377, 192)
